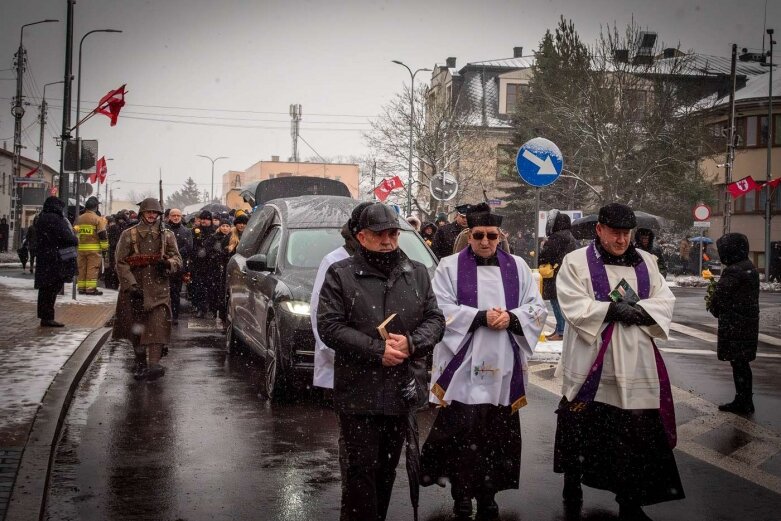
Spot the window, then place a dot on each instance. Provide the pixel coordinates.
(306, 248)
(250, 239)
(776, 128)
(763, 131)
(414, 248)
(751, 131)
(635, 104)
(515, 93)
(270, 246)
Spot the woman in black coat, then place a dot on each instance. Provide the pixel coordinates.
(560, 242)
(735, 302)
(54, 232)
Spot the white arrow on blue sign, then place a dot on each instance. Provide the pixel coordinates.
(539, 162)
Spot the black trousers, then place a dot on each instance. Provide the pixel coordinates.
(176, 295)
(47, 295)
(372, 446)
(743, 378)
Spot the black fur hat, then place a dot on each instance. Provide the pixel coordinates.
(617, 215)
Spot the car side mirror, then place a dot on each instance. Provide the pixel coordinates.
(258, 262)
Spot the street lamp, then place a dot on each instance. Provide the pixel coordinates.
(18, 113)
(211, 194)
(411, 127)
(769, 154)
(78, 113)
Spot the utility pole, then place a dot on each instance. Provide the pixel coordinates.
(295, 114)
(731, 142)
(768, 201)
(65, 136)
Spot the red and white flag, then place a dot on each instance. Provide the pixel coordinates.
(100, 171)
(110, 104)
(772, 184)
(742, 187)
(384, 189)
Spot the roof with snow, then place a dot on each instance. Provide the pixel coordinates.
(756, 89)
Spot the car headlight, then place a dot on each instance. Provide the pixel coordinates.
(296, 307)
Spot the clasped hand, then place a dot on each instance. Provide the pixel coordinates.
(396, 350)
(497, 318)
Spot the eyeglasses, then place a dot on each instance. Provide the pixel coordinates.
(478, 236)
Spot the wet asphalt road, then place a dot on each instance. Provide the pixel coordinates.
(203, 444)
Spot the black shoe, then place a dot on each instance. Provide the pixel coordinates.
(462, 508)
(487, 509)
(632, 513)
(94, 292)
(165, 351)
(155, 371)
(140, 371)
(572, 493)
(51, 323)
(739, 405)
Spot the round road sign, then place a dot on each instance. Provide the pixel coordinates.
(701, 212)
(443, 186)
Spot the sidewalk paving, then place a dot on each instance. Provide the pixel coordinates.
(32, 356)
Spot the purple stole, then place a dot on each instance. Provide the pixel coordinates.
(467, 296)
(588, 390)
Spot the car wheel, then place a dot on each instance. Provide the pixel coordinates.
(277, 374)
(232, 342)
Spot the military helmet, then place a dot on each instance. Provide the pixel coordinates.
(150, 204)
(92, 203)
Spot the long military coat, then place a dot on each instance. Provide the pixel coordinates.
(153, 325)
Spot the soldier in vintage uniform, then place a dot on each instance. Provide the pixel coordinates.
(146, 256)
(93, 242)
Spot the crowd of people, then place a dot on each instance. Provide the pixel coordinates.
(378, 317)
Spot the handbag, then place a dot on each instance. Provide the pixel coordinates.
(66, 258)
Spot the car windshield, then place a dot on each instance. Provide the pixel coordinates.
(307, 247)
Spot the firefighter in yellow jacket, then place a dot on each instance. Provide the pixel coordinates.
(93, 242)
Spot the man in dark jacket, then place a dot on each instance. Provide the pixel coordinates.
(4, 231)
(54, 233)
(735, 302)
(184, 241)
(445, 238)
(377, 382)
(644, 239)
(560, 242)
(201, 265)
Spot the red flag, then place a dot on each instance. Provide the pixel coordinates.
(31, 172)
(740, 188)
(100, 171)
(772, 184)
(386, 186)
(110, 104)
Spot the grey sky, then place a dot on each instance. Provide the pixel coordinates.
(252, 58)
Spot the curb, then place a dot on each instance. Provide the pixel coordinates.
(28, 495)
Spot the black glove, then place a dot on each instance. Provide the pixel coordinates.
(162, 267)
(136, 292)
(622, 312)
(643, 318)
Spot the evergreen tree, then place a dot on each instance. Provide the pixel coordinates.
(189, 194)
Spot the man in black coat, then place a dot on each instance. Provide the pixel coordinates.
(445, 238)
(4, 232)
(735, 302)
(377, 382)
(560, 242)
(54, 233)
(184, 240)
(201, 265)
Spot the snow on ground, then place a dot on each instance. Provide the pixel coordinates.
(28, 370)
(22, 289)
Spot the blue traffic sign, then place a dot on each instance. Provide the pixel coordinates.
(539, 162)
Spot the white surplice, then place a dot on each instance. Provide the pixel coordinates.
(484, 376)
(324, 355)
(629, 375)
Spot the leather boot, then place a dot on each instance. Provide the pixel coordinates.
(740, 405)
(154, 372)
(487, 509)
(140, 371)
(462, 508)
(631, 512)
(572, 493)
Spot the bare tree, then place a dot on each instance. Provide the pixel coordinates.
(139, 195)
(443, 141)
(627, 122)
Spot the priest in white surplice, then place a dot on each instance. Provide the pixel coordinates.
(616, 421)
(494, 315)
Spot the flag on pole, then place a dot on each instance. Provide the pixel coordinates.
(742, 187)
(772, 184)
(110, 104)
(100, 171)
(31, 172)
(384, 189)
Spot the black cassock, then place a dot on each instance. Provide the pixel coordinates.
(477, 447)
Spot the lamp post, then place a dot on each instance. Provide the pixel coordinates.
(78, 113)
(411, 127)
(18, 113)
(42, 125)
(211, 194)
(769, 154)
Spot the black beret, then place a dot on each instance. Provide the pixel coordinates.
(463, 209)
(206, 214)
(617, 215)
(480, 215)
(241, 219)
(352, 222)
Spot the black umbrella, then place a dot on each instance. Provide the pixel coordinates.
(412, 456)
(585, 227)
(216, 208)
